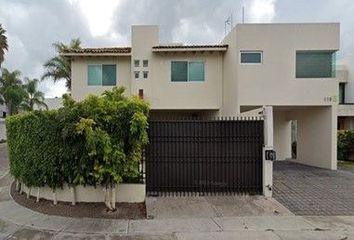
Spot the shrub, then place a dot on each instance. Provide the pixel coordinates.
(96, 141)
(345, 144)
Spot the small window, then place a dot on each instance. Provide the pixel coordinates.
(136, 63)
(102, 75)
(341, 93)
(184, 71)
(145, 63)
(251, 57)
(315, 64)
(145, 74)
(137, 74)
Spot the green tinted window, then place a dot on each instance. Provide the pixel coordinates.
(94, 75)
(196, 71)
(315, 64)
(179, 71)
(108, 75)
(251, 57)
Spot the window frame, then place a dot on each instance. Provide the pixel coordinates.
(188, 61)
(138, 63)
(101, 82)
(250, 51)
(147, 74)
(136, 72)
(147, 63)
(333, 65)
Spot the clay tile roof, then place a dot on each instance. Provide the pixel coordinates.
(110, 50)
(189, 46)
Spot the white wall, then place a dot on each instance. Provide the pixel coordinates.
(282, 135)
(80, 87)
(2, 129)
(159, 90)
(348, 62)
(317, 136)
(273, 82)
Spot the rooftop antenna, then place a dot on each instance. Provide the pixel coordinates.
(229, 22)
(243, 11)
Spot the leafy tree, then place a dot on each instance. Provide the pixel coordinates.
(34, 97)
(12, 92)
(3, 44)
(58, 67)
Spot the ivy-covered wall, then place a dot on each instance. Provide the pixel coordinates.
(345, 144)
(96, 141)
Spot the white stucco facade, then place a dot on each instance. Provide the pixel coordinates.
(229, 87)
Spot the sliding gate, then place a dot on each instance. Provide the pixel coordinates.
(204, 157)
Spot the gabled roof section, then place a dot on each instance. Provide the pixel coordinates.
(191, 48)
(110, 51)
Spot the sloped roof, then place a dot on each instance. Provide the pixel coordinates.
(97, 51)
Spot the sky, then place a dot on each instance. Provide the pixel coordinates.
(33, 25)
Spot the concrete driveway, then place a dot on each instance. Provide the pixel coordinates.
(306, 190)
(213, 206)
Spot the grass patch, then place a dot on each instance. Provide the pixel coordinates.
(346, 165)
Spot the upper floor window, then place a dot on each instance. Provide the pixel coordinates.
(145, 63)
(102, 74)
(136, 63)
(187, 71)
(315, 64)
(251, 57)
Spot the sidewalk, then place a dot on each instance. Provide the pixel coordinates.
(18, 222)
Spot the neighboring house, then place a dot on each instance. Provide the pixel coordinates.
(52, 103)
(287, 66)
(3, 114)
(345, 76)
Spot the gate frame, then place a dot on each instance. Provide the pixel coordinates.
(268, 145)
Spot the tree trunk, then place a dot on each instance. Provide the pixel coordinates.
(28, 192)
(73, 201)
(114, 197)
(37, 200)
(55, 202)
(107, 198)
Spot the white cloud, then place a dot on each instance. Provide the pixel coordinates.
(98, 13)
(262, 11)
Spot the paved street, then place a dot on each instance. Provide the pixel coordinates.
(17, 222)
(306, 190)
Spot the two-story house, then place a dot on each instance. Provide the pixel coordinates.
(345, 76)
(288, 66)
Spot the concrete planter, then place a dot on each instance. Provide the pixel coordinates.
(129, 193)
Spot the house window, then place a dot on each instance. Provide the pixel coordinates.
(341, 93)
(251, 57)
(184, 71)
(315, 64)
(136, 74)
(145, 74)
(136, 63)
(102, 74)
(145, 63)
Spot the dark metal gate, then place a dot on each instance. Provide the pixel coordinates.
(202, 157)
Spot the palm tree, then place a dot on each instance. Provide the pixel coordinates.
(11, 91)
(34, 97)
(3, 44)
(59, 67)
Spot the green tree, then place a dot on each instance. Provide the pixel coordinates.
(12, 92)
(59, 67)
(3, 44)
(34, 97)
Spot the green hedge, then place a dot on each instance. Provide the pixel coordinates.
(345, 144)
(96, 141)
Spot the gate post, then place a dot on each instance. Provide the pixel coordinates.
(268, 153)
